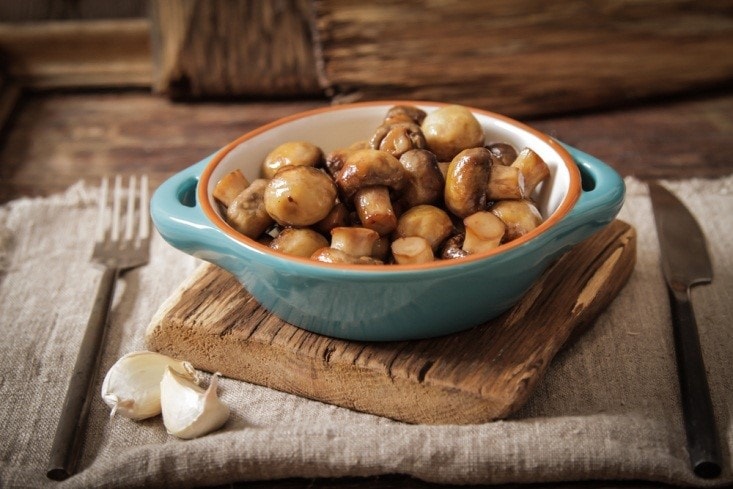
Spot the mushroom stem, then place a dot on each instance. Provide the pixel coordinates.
(505, 182)
(231, 185)
(519, 217)
(355, 241)
(374, 208)
(412, 250)
(483, 232)
(533, 167)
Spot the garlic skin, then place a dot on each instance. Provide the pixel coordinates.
(188, 410)
(132, 385)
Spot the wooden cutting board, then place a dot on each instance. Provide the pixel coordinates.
(478, 375)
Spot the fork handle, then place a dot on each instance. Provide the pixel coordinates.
(72, 423)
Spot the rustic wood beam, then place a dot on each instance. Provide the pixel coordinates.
(78, 54)
(524, 57)
(219, 48)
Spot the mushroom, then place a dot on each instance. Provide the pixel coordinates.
(299, 196)
(398, 138)
(451, 129)
(335, 159)
(366, 177)
(453, 248)
(291, 153)
(404, 113)
(367, 167)
(298, 241)
(504, 153)
(425, 181)
(412, 250)
(247, 213)
(381, 248)
(332, 255)
(337, 216)
(428, 222)
(505, 182)
(533, 167)
(231, 185)
(466, 180)
(374, 208)
(484, 232)
(356, 241)
(519, 216)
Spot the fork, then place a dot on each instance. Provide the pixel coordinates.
(120, 245)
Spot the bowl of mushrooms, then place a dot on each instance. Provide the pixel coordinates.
(390, 220)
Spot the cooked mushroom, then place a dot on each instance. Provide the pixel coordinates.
(398, 138)
(367, 167)
(335, 159)
(374, 208)
(337, 216)
(412, 250)
(484, 232)
(231, 185)
(299, 196)
(504, 153)
(291, 153)
(466, 180)
(298, 241)
(381, 248)
(519, 216)
(533, 167)
(453, 248)
(332, 255)
(355, 241)
(451, 129)
(505, 182)
(424, 180)
(426, 221)
(404, 113)
(247, 213)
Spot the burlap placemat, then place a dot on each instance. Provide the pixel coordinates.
(607, 409)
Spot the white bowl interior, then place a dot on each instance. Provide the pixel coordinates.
(340, 128)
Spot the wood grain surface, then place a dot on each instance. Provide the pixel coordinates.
(524, 57)
(92, 53)
(224, 48)
(479, 375)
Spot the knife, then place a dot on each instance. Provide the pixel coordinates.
(685, 262)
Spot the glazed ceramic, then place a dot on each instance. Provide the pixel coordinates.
(385, 302)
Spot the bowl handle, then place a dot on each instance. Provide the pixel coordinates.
(178, 217)
(600, 200)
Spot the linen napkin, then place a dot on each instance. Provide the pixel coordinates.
(608, 408)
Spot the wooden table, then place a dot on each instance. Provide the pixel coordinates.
(55, 139)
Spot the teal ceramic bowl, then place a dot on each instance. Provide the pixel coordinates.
(386, 302)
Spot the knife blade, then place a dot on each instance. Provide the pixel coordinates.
(685, 263)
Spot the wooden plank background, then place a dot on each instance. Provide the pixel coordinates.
(524, 57)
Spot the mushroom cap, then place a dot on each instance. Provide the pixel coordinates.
(466, 180)
(369, 167)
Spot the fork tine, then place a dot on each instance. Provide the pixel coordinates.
(116, 205)
(101, 213)
(129, 218)
(144, 231)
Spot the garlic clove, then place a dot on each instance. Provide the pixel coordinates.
(188, 410)
(132, 385)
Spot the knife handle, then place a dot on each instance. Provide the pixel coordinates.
(697, 408)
